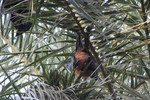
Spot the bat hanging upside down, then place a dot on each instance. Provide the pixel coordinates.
(83, 62)
(18, 21)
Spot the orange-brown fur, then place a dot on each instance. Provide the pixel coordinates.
(82, 61)
(85, 74)
(81, 57)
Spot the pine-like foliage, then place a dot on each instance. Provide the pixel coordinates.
(34, 65)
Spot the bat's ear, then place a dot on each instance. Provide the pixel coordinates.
(78, 41)
(86, 44)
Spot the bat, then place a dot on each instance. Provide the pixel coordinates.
(82, 61)
(17, 21)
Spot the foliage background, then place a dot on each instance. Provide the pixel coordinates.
(34, 64)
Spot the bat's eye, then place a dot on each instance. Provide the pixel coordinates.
(83, 50)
